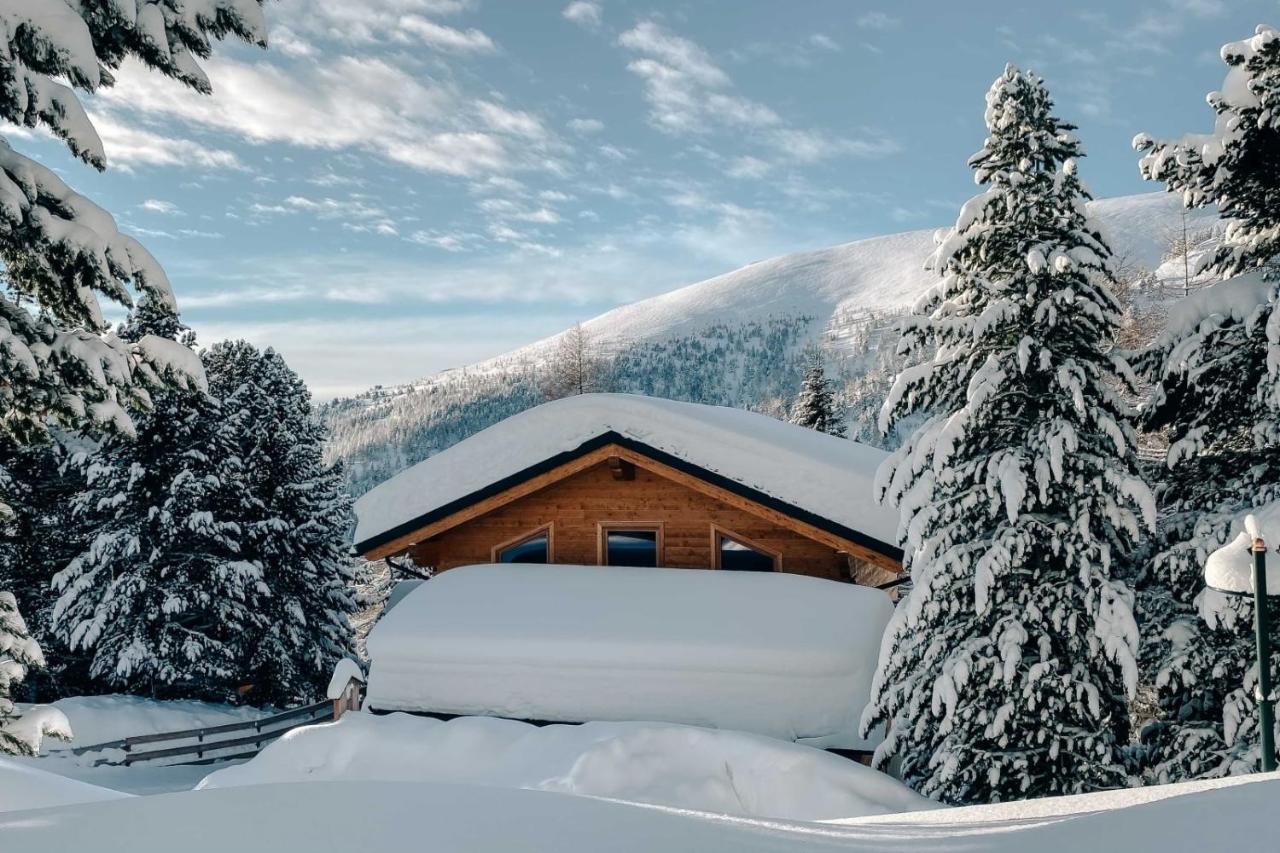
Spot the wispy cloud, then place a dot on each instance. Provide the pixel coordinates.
(584, 13)
(876, 20)
(586, 125)
(160, 206)
(348, 102)
(689, 94)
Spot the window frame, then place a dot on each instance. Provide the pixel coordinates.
(719, 533)
(604, 528)
(549, 529)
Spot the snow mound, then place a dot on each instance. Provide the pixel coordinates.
(1234, 300)
(343, 673)
(781, 655)
(678, 766)
(830, 477)
(392, 816)
(23, 786)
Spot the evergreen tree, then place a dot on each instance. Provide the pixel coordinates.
(162, 595)
(39, 539)
(296, 526)
(61, 253)
(1004, 672)
(815, 407)
(1217, 394)
(20, 734)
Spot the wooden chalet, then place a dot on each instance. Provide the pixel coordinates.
(612, 479)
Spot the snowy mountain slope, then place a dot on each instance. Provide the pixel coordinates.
(876, 274)
(734, 339)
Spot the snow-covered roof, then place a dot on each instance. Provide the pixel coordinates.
(828, 478)
(777, 654)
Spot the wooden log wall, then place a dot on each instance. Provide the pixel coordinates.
(601, 494)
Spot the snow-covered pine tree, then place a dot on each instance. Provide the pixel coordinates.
(21, 734)
(162, 596)
(1218, 396)
(296, 526)
(61, 252)
(1004, 672)
(37, 542)
(815, 406)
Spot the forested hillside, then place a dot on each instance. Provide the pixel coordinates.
(740, 339)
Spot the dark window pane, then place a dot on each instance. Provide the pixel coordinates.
(633, 547)
(737, 557)
(529, 551)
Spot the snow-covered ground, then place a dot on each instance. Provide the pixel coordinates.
(100, 719)
(678, 766)
(483, 785)
(28, 785)
(448, 818)
(781, 655)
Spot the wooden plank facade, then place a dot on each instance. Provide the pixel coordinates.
(578, 501)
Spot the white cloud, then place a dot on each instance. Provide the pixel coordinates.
(586, 125)
(505, 209)
(823, 41)
(290, 43)
(584, 13)
(877, 21)
(350, 102)
(689, 94)
(156, 205)
(748, 167)
(369, 21)
(128, 145)
(446, 38)
(450, 241)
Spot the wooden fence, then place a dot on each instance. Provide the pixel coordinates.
(246, 738)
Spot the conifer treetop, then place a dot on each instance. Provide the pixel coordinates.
(1233, 166)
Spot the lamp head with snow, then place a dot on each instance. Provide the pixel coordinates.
(1230, 568)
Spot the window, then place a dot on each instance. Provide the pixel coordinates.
(629, 544)
(533, 547)
(738, 554)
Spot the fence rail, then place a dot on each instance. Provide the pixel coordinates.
(208, 738)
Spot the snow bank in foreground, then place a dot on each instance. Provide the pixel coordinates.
(678, 766)
(780, 655)
(98, 719)
(23, 786)
(405, 816)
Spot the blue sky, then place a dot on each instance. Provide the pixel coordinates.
(400, 186)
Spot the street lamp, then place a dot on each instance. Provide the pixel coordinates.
(1240, 568)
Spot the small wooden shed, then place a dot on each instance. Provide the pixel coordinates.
(615, 479)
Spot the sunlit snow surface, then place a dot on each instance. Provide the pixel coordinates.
(413, 816)
(776, 654)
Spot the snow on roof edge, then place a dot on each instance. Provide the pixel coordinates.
(827, 478)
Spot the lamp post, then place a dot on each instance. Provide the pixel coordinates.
(1240, 568)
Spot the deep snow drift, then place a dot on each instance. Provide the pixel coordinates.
(404, 816)
(678, 766)
(781, 655)
(24, 785)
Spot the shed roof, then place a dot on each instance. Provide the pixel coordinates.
(821, 479)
